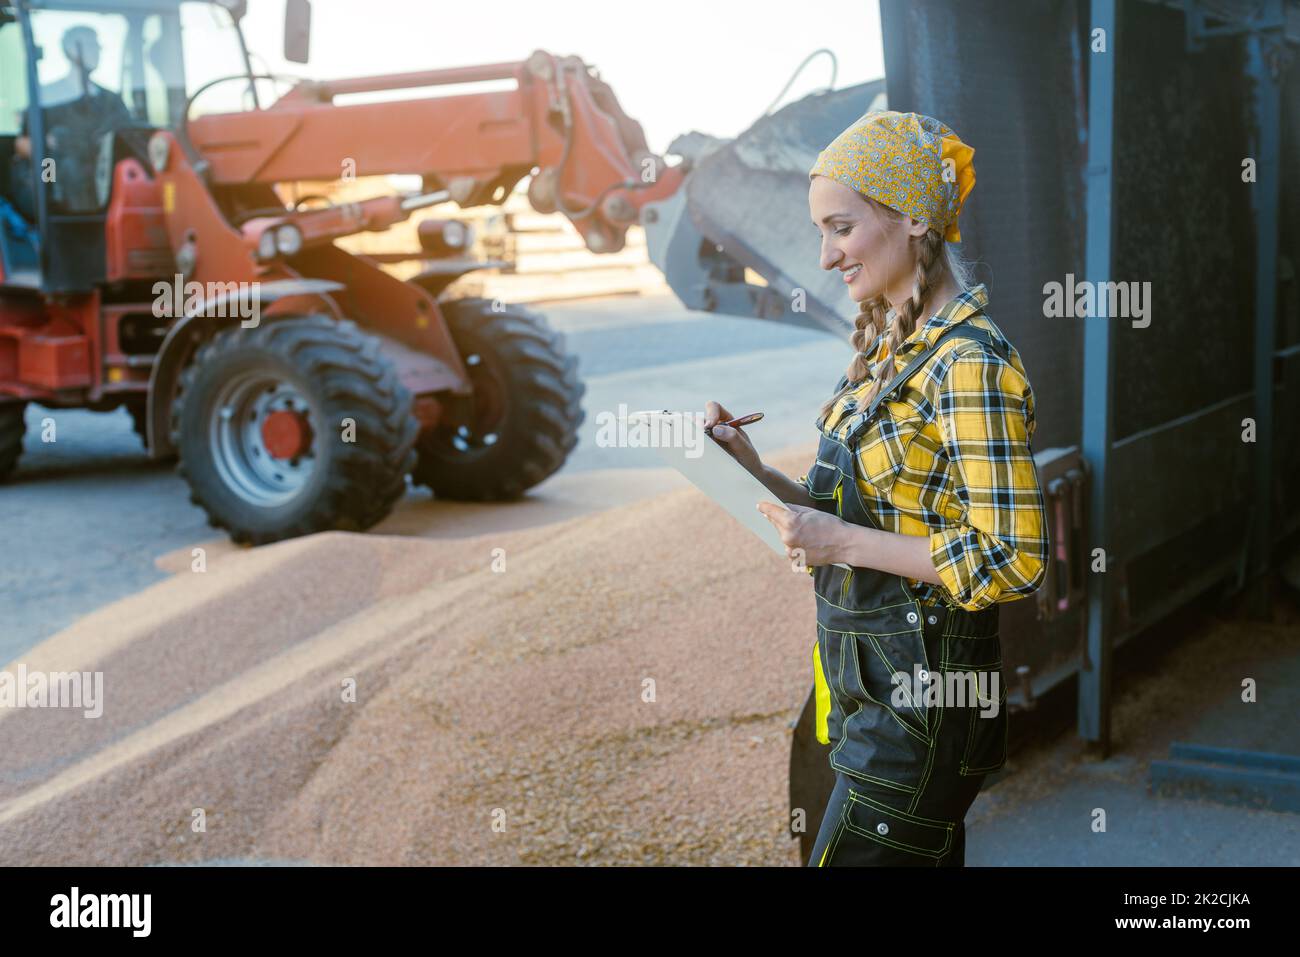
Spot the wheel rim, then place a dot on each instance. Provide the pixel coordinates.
(484, 411)
(262, 439)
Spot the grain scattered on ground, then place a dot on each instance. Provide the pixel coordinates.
(621, 694)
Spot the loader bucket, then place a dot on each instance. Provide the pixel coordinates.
(746, 206)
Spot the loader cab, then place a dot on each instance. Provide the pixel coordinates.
(91, 80)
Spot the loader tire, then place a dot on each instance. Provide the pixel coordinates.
(12, 429)
(139, 412)
(139, 420)
(293, 427)
(522, 421)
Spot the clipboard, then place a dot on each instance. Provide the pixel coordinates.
(713, 471)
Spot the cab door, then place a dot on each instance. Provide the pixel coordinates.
(19, 261)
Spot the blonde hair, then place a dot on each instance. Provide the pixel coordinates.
(936, 258)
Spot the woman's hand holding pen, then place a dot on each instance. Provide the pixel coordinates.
(732, 438)
(725, 430)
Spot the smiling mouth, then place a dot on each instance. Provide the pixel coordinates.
(851, 274)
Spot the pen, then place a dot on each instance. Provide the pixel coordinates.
(743, 420)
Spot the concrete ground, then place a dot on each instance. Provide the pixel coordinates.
(86, 516)
(1178, 682)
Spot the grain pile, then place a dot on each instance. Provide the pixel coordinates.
(620, 694)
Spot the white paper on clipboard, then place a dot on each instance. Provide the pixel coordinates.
(712, 470)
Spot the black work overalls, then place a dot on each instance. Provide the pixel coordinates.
(907, 768)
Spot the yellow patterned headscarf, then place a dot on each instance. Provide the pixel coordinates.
(908, 162)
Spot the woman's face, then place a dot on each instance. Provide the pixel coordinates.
(869, 249)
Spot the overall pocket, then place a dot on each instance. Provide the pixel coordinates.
(977, 663)
(902, 838)
(823, 480)
(884, 739)
(886, 668)
(986, 739)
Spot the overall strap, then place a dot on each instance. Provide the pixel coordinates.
(958, 331)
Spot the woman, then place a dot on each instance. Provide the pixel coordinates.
(924, 485)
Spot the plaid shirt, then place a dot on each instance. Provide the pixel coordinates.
(950, 457)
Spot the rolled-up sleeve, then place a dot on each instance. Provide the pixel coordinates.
(998, 551)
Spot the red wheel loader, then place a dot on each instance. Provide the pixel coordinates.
(148, 261)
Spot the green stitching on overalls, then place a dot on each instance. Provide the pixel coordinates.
(975, 665)
(853, 646)
(934, 735)
(854, 797)
(947, 664)
(840, 673)
(970, 738)
(890, 634)
(895, 844)
(925, 656)
(866, 634)
(929, 765)
(821, 496)
(853, 651)
(875, 805)
(871, 636)
(839, 832)
(885, 810)
(889, 665)
(865, 611)
(838, 495)
(971, 666)
(858, 772)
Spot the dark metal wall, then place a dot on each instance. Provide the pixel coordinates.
(1183, 384)
(1287, 419)
(1003, 75)
(1182, 220)
(1011, 79)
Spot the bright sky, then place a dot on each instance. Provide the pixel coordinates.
(675, 65)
